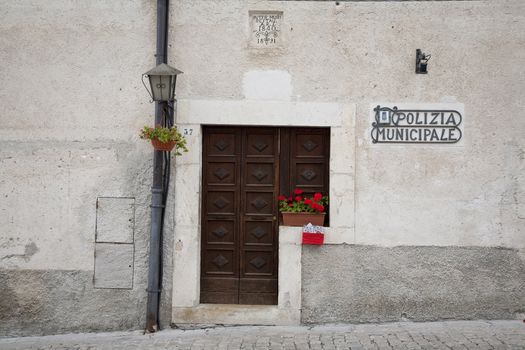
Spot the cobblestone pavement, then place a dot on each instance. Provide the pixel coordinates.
(403, 335)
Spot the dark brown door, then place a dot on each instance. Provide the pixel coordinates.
(304, 160)
(244, 170)
(239, 247)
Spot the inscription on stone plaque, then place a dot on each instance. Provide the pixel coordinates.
(265, 28)
(403, 125)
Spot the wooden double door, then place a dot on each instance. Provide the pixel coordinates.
(244, 171)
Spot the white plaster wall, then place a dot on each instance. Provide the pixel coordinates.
(72, 103)
(363, 52)
(71, 106)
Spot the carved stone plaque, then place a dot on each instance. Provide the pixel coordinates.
(265, 29)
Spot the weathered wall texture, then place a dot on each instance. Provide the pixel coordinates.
(364, 52)
(72, 103)
(348, 283)
(71, 107)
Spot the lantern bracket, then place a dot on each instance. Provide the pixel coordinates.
(421, 62)
(146, 87)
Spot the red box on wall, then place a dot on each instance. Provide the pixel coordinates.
(313, 238)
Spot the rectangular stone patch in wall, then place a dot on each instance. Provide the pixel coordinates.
(113, 265)
(265, 29)
(115, 219)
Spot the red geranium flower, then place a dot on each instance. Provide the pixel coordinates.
(307, 201)
(318, 196)
(320, 208)
(290, 205)
(290, 199)
(281, 198)
(298, 191)
(298, 198)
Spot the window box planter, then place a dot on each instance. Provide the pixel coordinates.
(301, 219)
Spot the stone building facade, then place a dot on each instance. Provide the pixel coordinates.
(417, 230)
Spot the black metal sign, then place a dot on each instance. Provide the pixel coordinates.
(393, 125)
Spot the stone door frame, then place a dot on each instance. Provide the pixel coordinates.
(191, 115)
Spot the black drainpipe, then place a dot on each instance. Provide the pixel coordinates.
(157, 190)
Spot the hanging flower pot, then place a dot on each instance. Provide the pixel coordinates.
(165, 138)
(163, 146)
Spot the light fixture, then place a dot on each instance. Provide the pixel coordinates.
(162, 80)
(421, 62)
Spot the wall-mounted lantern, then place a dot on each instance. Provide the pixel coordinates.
(162, 81)
(421, 62)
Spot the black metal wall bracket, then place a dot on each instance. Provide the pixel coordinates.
(421, 62)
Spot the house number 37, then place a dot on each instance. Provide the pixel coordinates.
(188, 132)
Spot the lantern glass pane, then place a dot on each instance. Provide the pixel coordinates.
(174, 83)
(172, 86)
(165, 87)
(156, 85)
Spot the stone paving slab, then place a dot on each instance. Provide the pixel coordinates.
(402, 335)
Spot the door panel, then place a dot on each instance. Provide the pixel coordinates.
(221, 173)
(220, 224)
(220, 290)
(309, 144)
(258, 232)
(220, 231)
(259, 187)
(309, 174)
(260, 143)
(239, 245)
(259, 173)
(259, 203)
(221, 202)
(259, 197)
(309, 157)
(222, 143)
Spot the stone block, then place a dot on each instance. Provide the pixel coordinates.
(113, 265)
(187, 195)
(193, 135)
(276, 113)
(115, 220)
(186, 266)
(290, 271)
(342, 205)
(342, 150)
